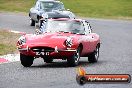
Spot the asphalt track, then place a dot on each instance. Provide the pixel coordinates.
(115, 58)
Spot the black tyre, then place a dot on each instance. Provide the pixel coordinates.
(48, 60)
(32, 22)
(38, 24)
(74, 60)
(26, 61)
(93, 57)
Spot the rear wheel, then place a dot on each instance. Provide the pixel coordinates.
(26, 61)
(74, 60)
(93, 57)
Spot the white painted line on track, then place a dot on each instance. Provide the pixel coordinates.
(17, 32)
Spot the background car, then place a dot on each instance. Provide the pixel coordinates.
(48, 9)
(66, 39)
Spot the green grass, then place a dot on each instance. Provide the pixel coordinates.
(85, 8)
(8, 42)
(101, 8)
(16, 5)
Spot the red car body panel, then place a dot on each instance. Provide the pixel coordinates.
(57, 40)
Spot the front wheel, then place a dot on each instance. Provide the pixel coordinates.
(32, 22)
(74, 60)
(26, 61)
(38, 24)
(93, 57)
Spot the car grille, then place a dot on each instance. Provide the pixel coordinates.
(42, 49)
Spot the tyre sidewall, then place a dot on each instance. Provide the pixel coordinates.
(72, 61)
(26, 61)
(92, 57)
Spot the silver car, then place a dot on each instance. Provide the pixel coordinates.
(48, 9)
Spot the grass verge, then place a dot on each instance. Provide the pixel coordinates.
(121, 9)
(8, 42)
(16, 5)
(101, 8)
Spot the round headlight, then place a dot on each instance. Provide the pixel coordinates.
(45, 15)
(22, 40)
(69, 42)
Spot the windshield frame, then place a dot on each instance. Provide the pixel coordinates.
(55, 5)
(65, 26)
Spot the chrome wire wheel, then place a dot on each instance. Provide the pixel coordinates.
(77, 56)
(93, 57)
(74, 60)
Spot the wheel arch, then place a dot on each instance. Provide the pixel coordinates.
(98, 45)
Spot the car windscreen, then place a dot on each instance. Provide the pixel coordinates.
(65, 26)
(49, 6)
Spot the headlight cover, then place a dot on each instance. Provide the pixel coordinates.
(45, 15)
(22, 40)
(69, 42)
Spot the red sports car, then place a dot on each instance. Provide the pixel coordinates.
(66, 39)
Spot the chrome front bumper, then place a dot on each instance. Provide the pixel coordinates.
(56, 49)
